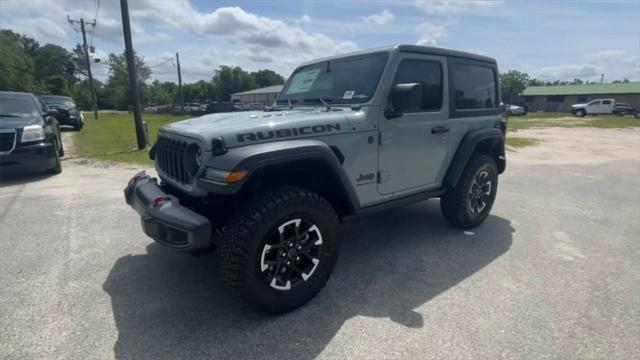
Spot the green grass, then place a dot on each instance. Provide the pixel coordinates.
(519, 142)
(113, 137)
(539, 120)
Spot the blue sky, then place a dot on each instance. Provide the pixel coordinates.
(551, 40)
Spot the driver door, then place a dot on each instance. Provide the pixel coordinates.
(413, 146)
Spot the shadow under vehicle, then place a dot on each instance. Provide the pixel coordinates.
(169, 305)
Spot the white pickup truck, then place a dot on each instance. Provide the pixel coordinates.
(595, 107)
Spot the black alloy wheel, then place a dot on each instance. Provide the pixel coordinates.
(292, 254)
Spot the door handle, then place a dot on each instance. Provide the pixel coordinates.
(439, 130)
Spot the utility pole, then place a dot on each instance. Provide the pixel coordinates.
(85, 49)
(133, 76)
(180, 84)
(601, 78)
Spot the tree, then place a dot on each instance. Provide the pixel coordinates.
(54, 61)
(514, 80)
(117, 88)
(16, 65)
(264, 78)
(231, 79)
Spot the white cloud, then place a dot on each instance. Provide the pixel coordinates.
(455, 6)
(239, 27)
(384, 17)
(306, 18)
(429, 33)
(569, 71)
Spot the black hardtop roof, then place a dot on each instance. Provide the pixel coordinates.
(444, 52)
(410, 49)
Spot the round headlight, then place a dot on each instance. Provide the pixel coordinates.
(192, 159)
(198, 156)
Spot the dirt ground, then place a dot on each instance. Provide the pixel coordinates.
(577, 146)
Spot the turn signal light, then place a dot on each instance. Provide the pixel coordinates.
(236, 176)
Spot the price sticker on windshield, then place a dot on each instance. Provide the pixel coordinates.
(348, 94)
(303, 81)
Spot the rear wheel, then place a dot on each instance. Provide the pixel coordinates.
(469, 203)
(280, 251)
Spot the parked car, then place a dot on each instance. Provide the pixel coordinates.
(515, 110)
(221, 106)
(349, 135)
(67, 112)
(622, 109)
(595, 107)
(29, 134)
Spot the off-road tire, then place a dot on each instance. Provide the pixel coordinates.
(57, 168)
(455, 204)
(244, 239)
(77, 126)
(580, 113)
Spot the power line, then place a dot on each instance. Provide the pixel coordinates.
(162, 63)
(95, 22)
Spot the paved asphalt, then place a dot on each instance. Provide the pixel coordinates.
(553, 273)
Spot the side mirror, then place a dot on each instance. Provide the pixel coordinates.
(404, 97)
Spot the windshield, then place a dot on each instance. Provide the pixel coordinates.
(58, 101)
(342, 81)
(17, 107)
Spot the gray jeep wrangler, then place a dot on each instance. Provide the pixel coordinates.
(347, 136)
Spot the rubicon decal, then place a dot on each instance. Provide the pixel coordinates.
(285, 133)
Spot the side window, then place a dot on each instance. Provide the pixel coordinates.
(474, 87)
(606, 102)
(427, 73)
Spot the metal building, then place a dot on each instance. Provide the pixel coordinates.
(559, 98)
(263, 96)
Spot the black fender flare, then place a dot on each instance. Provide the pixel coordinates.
(468, 146)
(252, 158)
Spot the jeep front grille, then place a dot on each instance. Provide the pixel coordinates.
(169, 158)
(7, 141)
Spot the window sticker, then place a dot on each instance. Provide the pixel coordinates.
(303, 81)
(348, 94)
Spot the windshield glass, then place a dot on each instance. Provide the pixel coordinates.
(342, 81)
(58, 101)
(17, 107)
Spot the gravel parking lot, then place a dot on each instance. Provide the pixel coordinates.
(553, 273)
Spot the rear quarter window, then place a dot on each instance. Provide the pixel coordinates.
(474, 87)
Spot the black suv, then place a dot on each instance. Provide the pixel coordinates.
(623, 109)
(67, 112)
(29, 134)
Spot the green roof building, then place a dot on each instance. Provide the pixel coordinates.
(559, 98)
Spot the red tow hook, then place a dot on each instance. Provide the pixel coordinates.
(159, 200)
(135, 179)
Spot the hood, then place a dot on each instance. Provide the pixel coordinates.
(578, 105)
(8, 122)
(252, 127)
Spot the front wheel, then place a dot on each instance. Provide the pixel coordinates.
(580, 113)
(468, 204)
(280, 251)
(57, 167)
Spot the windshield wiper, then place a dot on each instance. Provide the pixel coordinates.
(319, 98)
(9, 115)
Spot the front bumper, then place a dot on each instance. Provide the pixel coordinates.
(164, 219)
(41, 156)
